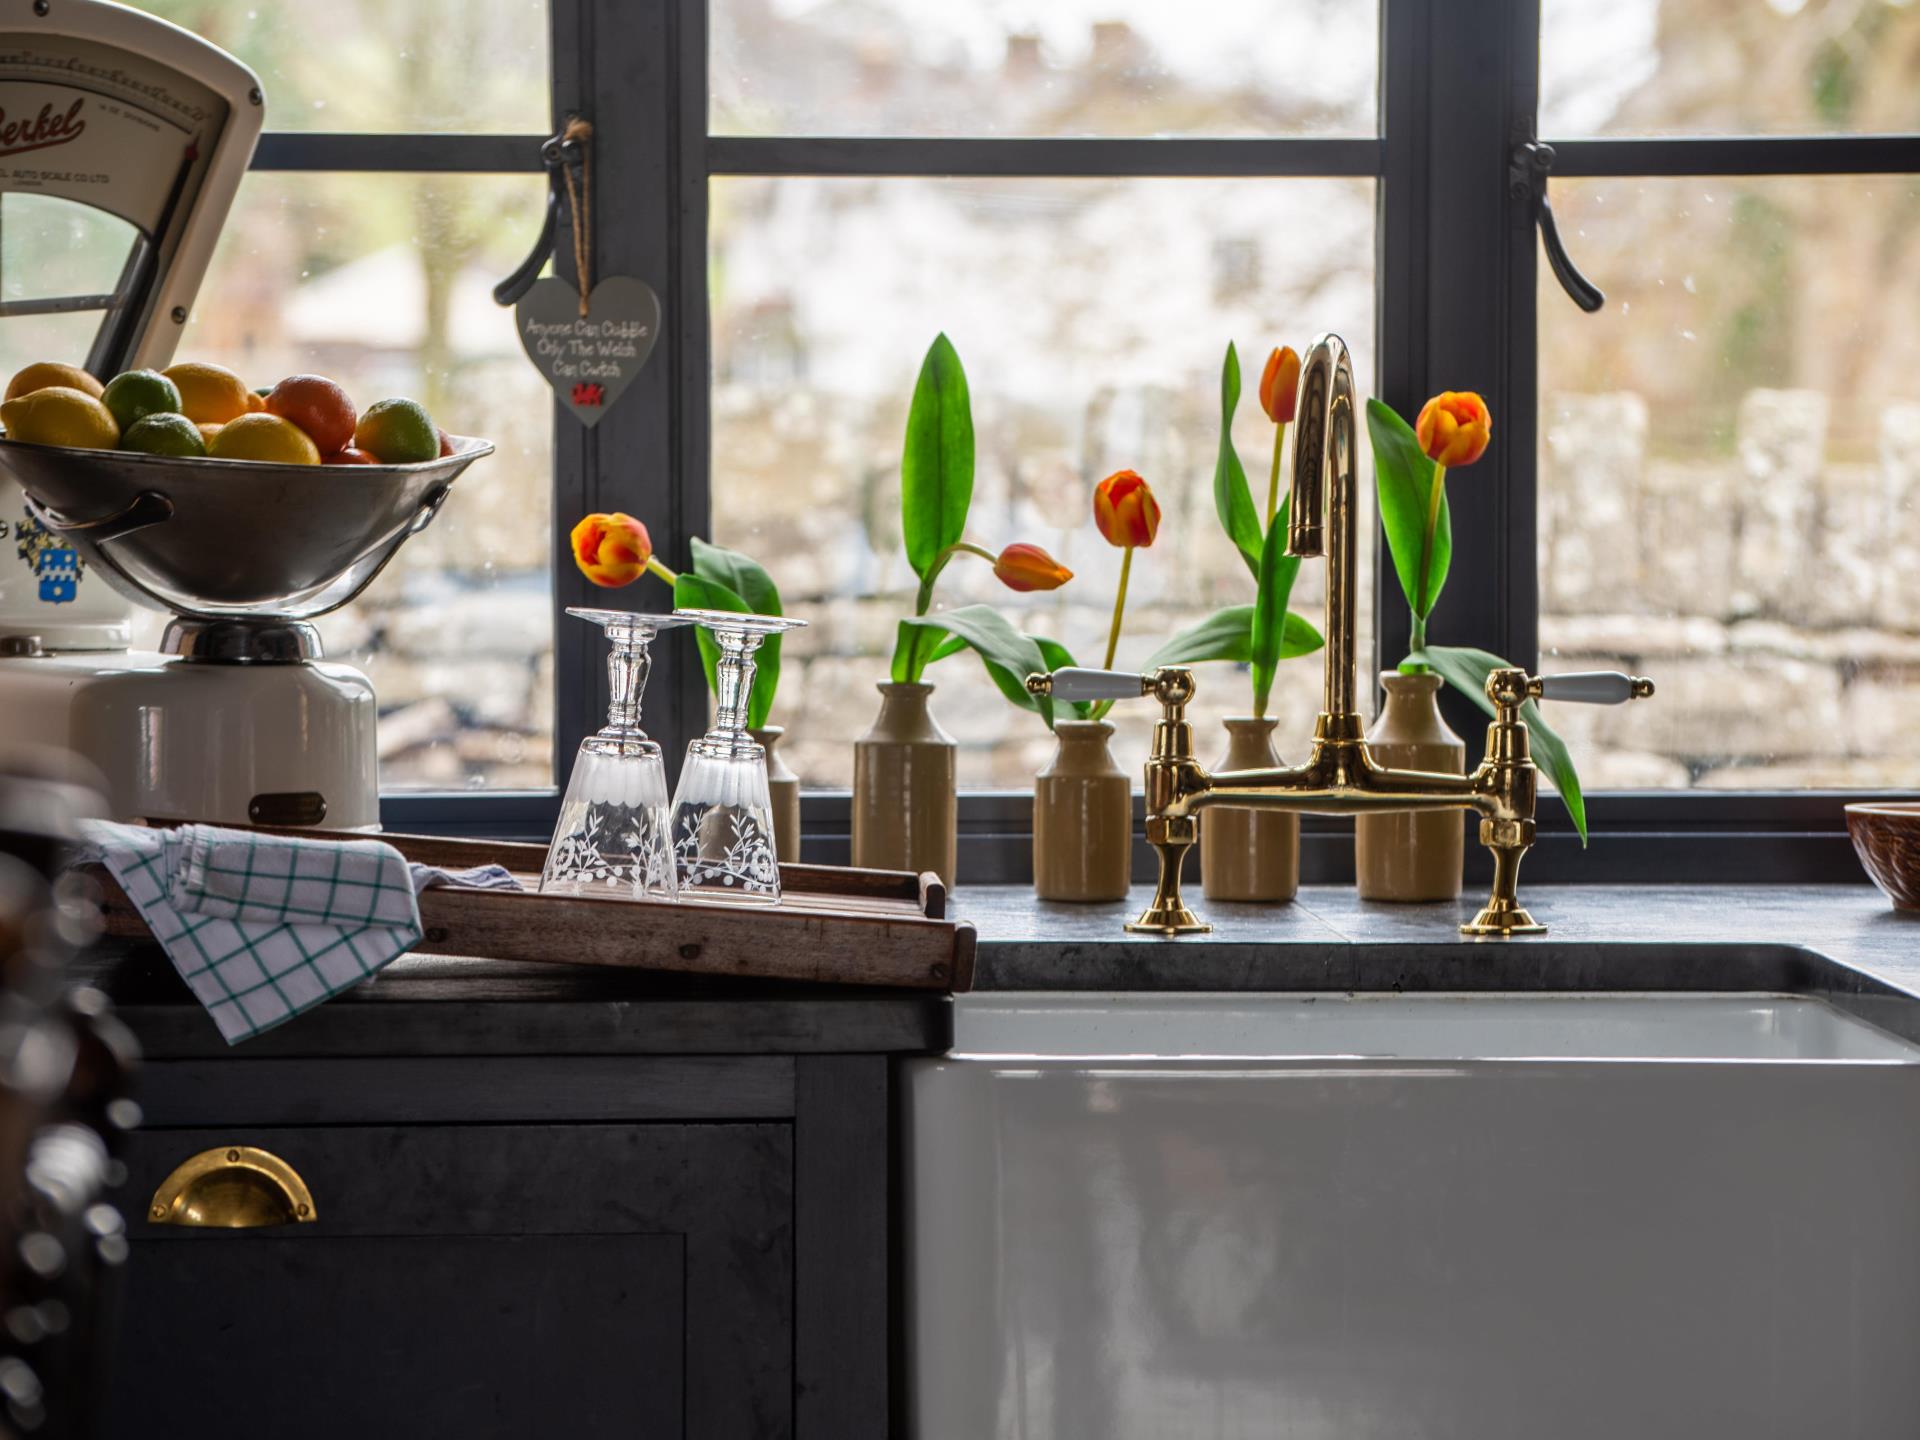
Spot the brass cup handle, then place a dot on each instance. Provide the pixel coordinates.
(232, 1187)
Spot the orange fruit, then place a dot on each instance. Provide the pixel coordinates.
(209, 393)
(208, 430)
(317, 406)
(446, 444)
(256, 402)
(48, 373)
(264, 437)
(349, 456)
(398, 432)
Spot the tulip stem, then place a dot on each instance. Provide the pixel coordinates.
(1273, 478)
(1119, 606)
(653, 564)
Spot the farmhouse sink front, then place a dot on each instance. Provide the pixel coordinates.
(1425, 1217)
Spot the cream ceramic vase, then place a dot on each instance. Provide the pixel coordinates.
(783, 788)
(1082, 818)
(1412, 855)
(1245, 853)
(904, 810)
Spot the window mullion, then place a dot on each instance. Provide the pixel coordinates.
(1473, 252)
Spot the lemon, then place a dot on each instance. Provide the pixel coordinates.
(209, 393)
(164, 435)
(264, 437)
(48, 373)
(135, 394)
(60, 415)
(397, 432)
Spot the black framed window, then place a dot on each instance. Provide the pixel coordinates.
(1092, 208)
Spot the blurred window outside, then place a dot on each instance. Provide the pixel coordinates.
(1730, 450)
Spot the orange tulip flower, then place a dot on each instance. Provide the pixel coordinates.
(1454, 428)
(1028, 567)
(1125, 511)
(1280, 385)
(611, 550)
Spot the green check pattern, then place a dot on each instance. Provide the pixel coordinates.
(262, 927)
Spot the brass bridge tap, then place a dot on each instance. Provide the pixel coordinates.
(1340, 776)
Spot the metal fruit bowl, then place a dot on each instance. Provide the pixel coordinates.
(232, 537)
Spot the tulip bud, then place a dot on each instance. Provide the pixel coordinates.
(1028, 567)
(611, 550)
(1454, 428)
(1280, 385)
(1125, 511)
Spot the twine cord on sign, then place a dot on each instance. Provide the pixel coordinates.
(579, 202)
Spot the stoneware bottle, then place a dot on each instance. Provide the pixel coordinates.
(904, 812)
(1082, 818)
(1409, 855)
(783, 787)
(1249, 854)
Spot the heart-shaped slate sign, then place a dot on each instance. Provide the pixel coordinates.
(589, 359)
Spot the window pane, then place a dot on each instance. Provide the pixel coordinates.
(1730, 479)
(1728, 67)
(1091, 316)
(385, 65)
(381, 282)
(1043, 68)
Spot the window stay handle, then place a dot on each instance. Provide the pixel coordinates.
(1527, 175)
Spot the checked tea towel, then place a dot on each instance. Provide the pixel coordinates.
(262, 927)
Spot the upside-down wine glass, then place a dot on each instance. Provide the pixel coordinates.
(722, 817)
(612, 838)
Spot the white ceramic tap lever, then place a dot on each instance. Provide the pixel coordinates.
(1076, 684)
(1593, 687)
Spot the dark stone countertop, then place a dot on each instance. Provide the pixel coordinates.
(1842, 941)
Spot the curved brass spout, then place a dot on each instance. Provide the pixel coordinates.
(1321, 511)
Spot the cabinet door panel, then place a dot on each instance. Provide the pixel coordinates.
(268, 1334)
(417, 1216)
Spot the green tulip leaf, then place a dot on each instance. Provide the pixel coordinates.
(1232, 501)
(1010, 656)
(739, 573)
(1277, 572)
(1466, 669)
(936, 465)
(1228, 635)
(695, 592)
(1403, 476)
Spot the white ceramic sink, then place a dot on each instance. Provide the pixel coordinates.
(1432, 1217)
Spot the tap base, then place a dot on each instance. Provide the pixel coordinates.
(1503, 917)
(1161, 918)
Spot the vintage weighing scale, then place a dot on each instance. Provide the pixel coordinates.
(117, 124)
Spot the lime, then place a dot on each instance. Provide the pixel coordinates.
(264, 437)
(60, 415)
(397, 432)
(135, 394)
(48, 372)
(165, 434)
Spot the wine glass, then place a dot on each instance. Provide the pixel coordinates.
(613, 838)
(723, 845)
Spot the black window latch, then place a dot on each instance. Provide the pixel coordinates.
(1527, 175)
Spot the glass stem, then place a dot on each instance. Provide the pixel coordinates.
(628, 665)
(733, 681)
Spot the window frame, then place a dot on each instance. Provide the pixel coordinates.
(1454, 102)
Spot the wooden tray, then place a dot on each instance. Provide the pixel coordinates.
(834, 925)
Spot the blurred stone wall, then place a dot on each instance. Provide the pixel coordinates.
(1774, 595)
